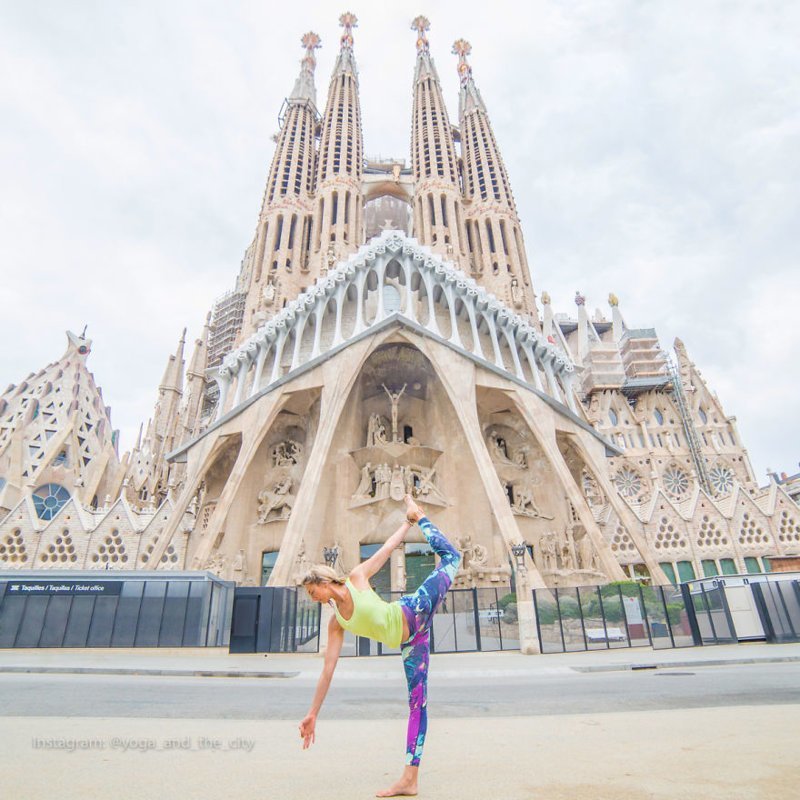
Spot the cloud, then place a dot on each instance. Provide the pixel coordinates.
(652, 149)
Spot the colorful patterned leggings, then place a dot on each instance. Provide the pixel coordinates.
(419, 609)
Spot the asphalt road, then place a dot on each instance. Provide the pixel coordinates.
(367, 697)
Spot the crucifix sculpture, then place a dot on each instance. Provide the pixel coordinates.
(394, 397)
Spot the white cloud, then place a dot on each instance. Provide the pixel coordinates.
(652, 148)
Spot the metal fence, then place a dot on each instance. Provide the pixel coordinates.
(778, 605)
(55, 608)
(274, 619)
(629, 615)
(469, 620)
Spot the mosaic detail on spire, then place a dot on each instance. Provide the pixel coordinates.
(311, 42)
(348, 21)
(421, 25)
(462, 48)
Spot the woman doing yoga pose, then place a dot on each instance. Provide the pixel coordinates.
(405, 624)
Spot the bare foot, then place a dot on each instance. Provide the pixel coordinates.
(405, 787)
(413, 514)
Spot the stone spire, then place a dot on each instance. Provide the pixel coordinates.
(304, 88)
(56, 429)
(194, 395)
(438, 215)
(338, 222)
(148, 471)
(496, 246)
(279, 253)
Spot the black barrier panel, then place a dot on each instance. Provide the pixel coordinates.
(11, 612)
(55, 621)
(274, 619)
(80, 616)
(151, 614)
(30, 630)
(174, 615)
(195, 631)
(53, 610)
(778, 606)
(244, 624)
(129, 607)
(102, 624)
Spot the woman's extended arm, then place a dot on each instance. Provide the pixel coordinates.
(360, 576)
(335, 639)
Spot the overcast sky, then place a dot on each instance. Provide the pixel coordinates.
(652, 148)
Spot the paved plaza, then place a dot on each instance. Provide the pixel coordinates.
(703, 722)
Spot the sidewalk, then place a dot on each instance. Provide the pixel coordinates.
(742, 752)
(217, 662)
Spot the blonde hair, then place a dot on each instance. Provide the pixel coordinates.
(320, 573)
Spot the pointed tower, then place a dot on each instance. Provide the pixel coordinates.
(148, 471)
(56, 439)
(276, 264)
(496, 247)
(338, 224)
(194, 395)
(438, 215)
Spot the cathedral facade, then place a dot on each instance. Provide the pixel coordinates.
(383, 336)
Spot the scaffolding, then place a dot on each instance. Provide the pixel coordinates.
(688, 425)
(226, 322)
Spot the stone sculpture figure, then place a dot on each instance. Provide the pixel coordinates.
(383, 479)
(516, 294)
(586, 552)
(376, 431)
(215, 564)
(547, 548)
(398, 486)
(525, 504)
(394, 398)
(498, 447)
(364, 489)
(286, 453)
(427, 488)
(567, 557)
(277, 500)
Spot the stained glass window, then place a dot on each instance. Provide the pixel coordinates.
(49, 499)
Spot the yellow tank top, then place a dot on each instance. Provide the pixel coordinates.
(373, 617)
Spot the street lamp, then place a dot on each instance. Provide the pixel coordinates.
(519, 550)
(331, 554)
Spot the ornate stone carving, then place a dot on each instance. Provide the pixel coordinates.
(566, 552)
(365, 487)
(215, 564)
(473, 555)
(394, 399)
(586, 554)
(276, 502)
(286, 454)
(517, 298)
(595, 412)
(548, 552)
(376, 431)
(383, 480)
(524, 502)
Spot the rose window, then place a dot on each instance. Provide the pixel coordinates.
(49, 499)
(721, 479)
(676, 481)
(628, 482)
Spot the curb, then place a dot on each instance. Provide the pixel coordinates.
(195, 673)
(718, 662)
